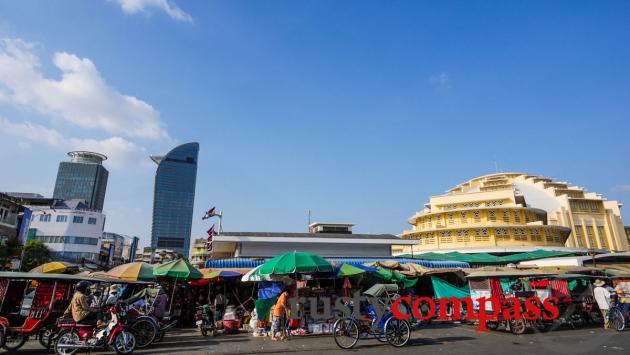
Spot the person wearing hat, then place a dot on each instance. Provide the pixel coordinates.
(113, 296)
(602, 296)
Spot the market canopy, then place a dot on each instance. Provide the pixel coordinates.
(296, 263)
(346, 270)
(136, 271)
(444, 289)
(479, 258)
(392, 276)
(178, 269)
(536, 254)
(55, 267)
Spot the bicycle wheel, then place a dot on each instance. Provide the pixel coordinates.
(346, 333)
(397, 332)
(145, 331)
(616, 319)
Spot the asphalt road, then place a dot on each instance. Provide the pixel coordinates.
(438, 338)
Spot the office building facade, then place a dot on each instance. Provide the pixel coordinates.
(174, 198)
(83, 178)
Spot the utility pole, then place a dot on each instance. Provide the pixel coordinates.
(309, 221)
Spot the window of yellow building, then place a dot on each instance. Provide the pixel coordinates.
(477, 216)
(492, 215)
(502, 234)
(506, 216)
(464, 217)
(602, 237)
(590, 233)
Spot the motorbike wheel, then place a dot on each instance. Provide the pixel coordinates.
(13, 343)
(144, 331)
(204, 332)
(66, 337)
(45, 337)
(124, 343)
(518, 327)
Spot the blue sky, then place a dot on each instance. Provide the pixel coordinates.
(357, 110)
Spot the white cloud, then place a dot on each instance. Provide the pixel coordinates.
(81, 96)
(440, 81)
(623, 188)
(131, 7)
(120, 152)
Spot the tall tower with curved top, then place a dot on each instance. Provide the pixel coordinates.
(174, 198)
(83, 178)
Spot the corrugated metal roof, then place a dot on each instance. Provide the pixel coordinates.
(308, 235)
(251, 263)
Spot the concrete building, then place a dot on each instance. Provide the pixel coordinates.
(83, 178)
(9, 217)
(112, 249)
(159, 257)
(174, 198)
(511, 212)
(199, 252)
(323, 240)
(70, 229)
(130, 248)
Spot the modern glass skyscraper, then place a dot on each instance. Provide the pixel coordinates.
(174, 197)
(84, 178)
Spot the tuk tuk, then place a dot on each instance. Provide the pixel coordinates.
(502, 285)
(31, 302)
(575, 299)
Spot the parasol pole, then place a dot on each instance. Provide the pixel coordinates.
(170, 308)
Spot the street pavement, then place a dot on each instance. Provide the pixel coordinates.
(435, 338)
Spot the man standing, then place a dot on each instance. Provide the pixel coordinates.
(602, 296)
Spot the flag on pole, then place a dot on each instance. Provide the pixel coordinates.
(210, 213)
(211, 233)
(210, 246)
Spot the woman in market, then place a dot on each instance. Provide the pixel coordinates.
(279, 316)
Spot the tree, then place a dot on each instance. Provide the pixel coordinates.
(9, 250)
(35, 254)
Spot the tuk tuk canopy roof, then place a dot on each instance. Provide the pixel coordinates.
(38, 276)
(379, 289)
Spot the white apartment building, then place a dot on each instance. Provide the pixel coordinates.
(70, 230)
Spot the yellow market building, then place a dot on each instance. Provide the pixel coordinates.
(511, 212)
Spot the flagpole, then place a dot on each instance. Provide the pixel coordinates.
(221, 222)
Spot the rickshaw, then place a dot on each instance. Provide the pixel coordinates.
(348, 330)
(30, 303)
(503, 284)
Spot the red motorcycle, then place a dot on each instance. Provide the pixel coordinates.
(74, 336)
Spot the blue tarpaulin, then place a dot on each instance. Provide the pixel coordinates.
(268, 290)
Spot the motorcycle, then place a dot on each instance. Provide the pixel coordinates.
(74, 336)
(204, 320)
